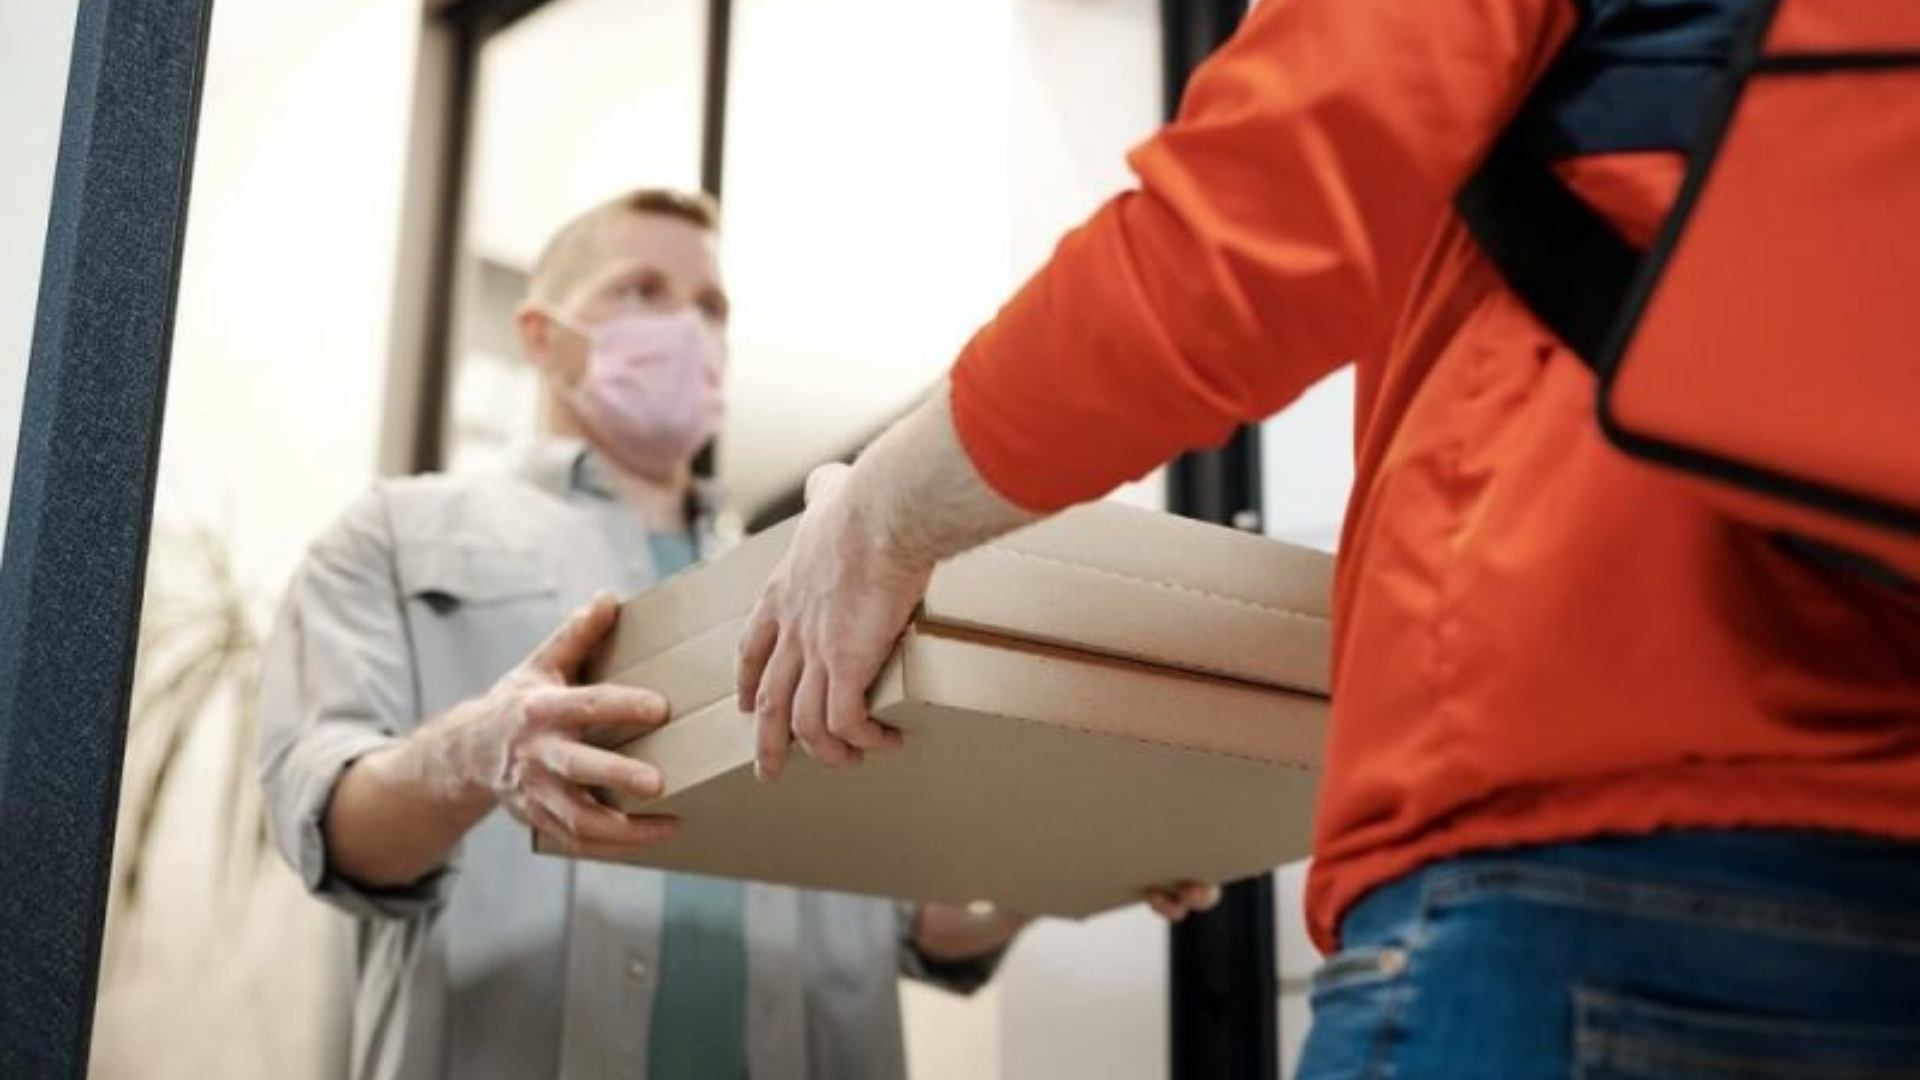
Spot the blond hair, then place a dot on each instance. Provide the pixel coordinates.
(569, 256)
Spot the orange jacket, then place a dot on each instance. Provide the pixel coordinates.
(1537, 639)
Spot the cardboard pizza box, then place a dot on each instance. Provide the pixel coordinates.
(1109, 700)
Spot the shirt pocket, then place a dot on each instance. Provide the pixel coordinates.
(1622, 1036)
(444, 577)
(473, 612)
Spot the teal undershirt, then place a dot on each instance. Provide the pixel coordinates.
(700, 1012)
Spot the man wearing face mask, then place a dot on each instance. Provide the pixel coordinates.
(391, 735)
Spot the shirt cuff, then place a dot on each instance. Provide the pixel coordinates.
(958, 976)
(326, 753)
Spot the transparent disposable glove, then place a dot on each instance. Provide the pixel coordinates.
(534, 745)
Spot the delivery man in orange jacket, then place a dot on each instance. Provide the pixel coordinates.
(1613, 784)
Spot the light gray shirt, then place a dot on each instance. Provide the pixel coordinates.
(505, 963)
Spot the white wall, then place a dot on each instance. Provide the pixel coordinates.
(281, 339)
(882, 202)
(1307, 472)
(1307, 464)
(36, 40)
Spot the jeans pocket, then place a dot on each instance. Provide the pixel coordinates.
(1358, 997)
(1622, 1036)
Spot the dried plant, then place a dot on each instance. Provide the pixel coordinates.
(199, 663)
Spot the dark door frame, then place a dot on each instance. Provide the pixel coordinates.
(82, 506)
(1224, 1000)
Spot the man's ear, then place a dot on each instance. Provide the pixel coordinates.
(536, 335)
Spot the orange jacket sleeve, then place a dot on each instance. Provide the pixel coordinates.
(1276, 229)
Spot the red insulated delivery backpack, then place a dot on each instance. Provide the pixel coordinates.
(1769, 343)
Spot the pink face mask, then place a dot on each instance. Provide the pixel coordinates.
(651, 393)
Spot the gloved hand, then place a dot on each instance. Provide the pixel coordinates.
(529, 744)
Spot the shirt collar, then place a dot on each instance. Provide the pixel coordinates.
(549, 464)
(588, 475)
(569, 467)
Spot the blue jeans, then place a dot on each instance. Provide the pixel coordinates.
(1703, 956)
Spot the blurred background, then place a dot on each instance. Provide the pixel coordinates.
(373, 179)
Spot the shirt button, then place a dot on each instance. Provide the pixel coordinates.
(637, 969)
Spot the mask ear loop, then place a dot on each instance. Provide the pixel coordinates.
(555, 317)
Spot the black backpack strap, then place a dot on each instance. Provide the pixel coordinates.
(1558, 254)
